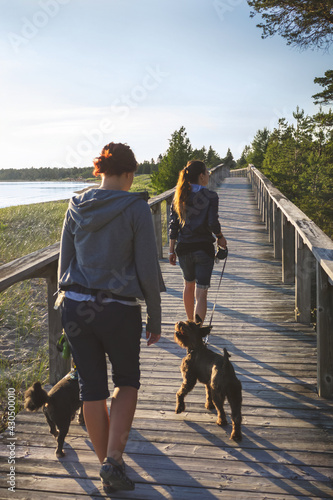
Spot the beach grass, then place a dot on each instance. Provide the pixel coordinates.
(23, 307)
(26, 228)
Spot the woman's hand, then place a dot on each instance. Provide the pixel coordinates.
(222, 242)
(152, 338)
(172, 258)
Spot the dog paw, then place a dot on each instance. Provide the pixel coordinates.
(236, 437)
(60, 453)
(222, 423)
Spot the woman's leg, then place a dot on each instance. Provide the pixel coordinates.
(123, 405)
(201, 302)
(188, 297)
(96, 418)
(109, 435)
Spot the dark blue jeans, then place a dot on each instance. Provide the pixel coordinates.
(197, 266)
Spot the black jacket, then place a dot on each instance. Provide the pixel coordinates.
(201, 218)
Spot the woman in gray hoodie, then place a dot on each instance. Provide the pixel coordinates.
(108, 260)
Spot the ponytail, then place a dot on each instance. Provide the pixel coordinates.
(183, 189)
(189, 175)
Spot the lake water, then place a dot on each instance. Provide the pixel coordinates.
(24, 193)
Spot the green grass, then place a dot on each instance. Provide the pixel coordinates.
(143, 183)
(23, 307)
(26, 228)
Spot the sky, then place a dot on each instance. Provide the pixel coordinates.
(78, 74)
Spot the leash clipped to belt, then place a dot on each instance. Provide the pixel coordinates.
(222, 254)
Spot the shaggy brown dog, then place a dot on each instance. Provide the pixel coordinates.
(211, 369)
(59, 406)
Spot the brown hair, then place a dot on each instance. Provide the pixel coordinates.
(115, 159)
(189, 175)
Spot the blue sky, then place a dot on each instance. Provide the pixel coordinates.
(77, 74)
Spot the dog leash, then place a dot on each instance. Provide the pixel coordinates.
(218, 289)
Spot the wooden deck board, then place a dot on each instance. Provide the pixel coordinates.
(287, 448)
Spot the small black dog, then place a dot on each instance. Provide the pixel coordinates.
(59, 406)
(211, 369)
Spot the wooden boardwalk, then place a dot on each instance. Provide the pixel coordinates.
(287, 447)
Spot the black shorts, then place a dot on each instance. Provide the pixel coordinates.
(94, 330)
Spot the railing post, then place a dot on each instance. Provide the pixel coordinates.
(324, 334)
(305, 275)
(156, 214)
(262, 208)
(270, 219)
(277, 232)
(256, 190)
(288, 251)
(168, 202)
(58, 366)
(263, 204)
(265, 209)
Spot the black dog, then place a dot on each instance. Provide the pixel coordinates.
(59, 406)
(211, 369)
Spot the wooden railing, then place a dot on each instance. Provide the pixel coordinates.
(307, 260)
(44, 264)
(238, 172)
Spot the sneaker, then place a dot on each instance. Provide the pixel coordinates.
(114, 476)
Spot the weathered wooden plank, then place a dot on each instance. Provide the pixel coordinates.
(154, 492)
(75, 451)
(215, 482)
(144, 463)
(209, 435)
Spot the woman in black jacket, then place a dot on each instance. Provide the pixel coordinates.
(193, 222)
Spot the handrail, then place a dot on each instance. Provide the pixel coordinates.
(44, 264)
(312, 235)
(307, 260)
(238, 172)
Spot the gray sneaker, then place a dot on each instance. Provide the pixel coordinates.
(114, 477)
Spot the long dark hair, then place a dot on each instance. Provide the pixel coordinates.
(189, 175)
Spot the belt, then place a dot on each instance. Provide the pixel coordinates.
(96, 292)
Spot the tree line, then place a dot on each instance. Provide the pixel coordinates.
(45, 174)
(62, 174)
(298, 159)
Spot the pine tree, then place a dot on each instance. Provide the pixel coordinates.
(229, 161)
(302, 23)
(176, 157)
(258, 148)
(326, 95)
(213, 159)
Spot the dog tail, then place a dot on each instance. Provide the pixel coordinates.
(35, 397)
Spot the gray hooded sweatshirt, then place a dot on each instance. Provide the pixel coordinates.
(108, 243)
